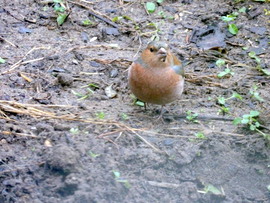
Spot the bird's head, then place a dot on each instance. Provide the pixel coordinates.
(156, 54)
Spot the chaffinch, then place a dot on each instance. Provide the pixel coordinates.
(157, 76)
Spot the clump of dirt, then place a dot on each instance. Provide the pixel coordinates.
(69, 131)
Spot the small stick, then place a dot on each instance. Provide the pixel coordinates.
(20, 62)
(97, 15)
(9, 42)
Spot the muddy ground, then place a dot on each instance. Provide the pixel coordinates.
(69, 131)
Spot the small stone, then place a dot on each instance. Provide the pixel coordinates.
(75, 62)
(84, 37)
(24, 30)
(113, 73)
(110, 92)
(65, 79)
(94, 64)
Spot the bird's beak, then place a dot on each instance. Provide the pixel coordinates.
(162, 54)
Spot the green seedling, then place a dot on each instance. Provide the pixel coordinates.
(136, 101)
(150, 7)
(87, 22)
(140, 103)
(255, 94)
(2, 61)
(200, 135)
(253, 55)
(93, 155)
(243, 10)
(119, 18)
(227, 71)
(119, 179)
(220, 63)
(233, 29)
(124, 116)
(223, 110)
(251, 120)
(91, 85)
(61, 18)
(100, 115)
(192, 116)
(230, 17)
(160, 1)
(60, 10)
(83, 96)
(74, 131)
(162, 14)
(212, 189)
(222, 101)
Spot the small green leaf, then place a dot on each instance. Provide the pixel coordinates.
(220, 62)
(265, 71)
(254, 113)
(224, 109)
(252, 127)
(200, 135)
(257, 124)
(61, 18)
(116, 174)
(124, 116)
(117, 18)
(213, 189)
(228, 18)
(139, 103)
(87, 22)
(225, 72)
(74, 131)
(257, 96)
(238, 96)
(221, 100)
(233, 29)
(93, 155)
(127, 17)
(100, 115)
(160, 1)
(57, 1)
(242, 10)
(58, 8)
(237, 121)
(150, 7)
(252, 55)
(245, 121)
(2, 61)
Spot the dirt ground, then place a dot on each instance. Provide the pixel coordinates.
(69, 131)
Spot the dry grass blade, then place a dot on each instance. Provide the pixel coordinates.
(30, 110)
(21, 62)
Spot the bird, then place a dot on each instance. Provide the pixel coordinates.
(157, 76)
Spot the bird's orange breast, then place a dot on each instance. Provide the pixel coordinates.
(155, 85)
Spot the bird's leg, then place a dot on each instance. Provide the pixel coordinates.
(145, 106)
(161, 113)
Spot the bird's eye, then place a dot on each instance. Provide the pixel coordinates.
(151, 49)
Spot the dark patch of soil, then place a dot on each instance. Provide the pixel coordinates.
(63, 138)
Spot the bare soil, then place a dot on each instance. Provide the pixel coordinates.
(69, 131)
